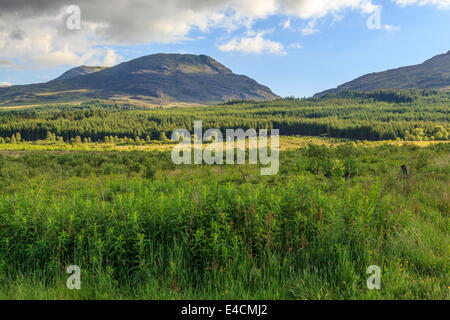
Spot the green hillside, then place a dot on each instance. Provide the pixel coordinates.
(432, 74)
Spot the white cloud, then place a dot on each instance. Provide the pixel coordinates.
(320, 8)
(136, 21)
(296, 45)
(310, 28)
(287, 24)
(55, 58)
(389, 27)
(441, 4)
(256, 44)
(5, 84)
(111, 58)
(43, 44)
(34, 33)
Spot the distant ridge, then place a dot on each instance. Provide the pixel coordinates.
(157, 78)
(434, 73)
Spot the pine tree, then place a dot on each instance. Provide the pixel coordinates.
(162, 136)
(49, 136)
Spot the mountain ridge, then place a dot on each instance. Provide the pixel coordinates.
(433, 73)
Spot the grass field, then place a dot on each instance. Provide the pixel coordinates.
(142, 228)
(286, 143)
(363, 181)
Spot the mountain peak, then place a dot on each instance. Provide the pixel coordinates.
(80, 71)
(171, 63)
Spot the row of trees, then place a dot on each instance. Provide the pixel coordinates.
(52, 137)
(338, 117)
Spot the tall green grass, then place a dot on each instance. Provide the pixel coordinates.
(205, 232)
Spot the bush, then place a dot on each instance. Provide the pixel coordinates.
(149, 171)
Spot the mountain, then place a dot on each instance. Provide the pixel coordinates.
(79, 71)
(157, 78)
(432, 74)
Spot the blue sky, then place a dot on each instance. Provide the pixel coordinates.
(313, 52)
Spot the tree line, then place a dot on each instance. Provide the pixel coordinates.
(350, 115)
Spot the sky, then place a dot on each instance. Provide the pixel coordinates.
(295, 47)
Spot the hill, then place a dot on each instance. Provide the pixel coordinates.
(432, 74)
(158, 78)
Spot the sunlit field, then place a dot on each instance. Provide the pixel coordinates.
(141, 227)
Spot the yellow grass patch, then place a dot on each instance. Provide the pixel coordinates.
(286, 143)
(45, 94)
(40, 105)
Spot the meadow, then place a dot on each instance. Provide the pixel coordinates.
(363, 180)
(142, 228)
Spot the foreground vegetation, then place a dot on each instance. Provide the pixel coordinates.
(141, 227)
